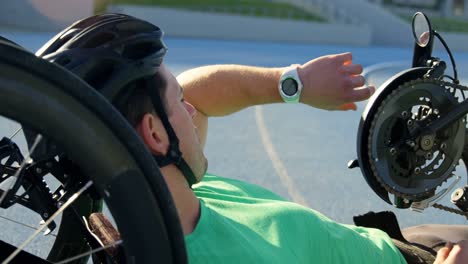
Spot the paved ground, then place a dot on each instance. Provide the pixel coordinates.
(294, 150)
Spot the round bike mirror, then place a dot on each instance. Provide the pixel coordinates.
(422, 30)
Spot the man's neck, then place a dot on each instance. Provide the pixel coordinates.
(187, 204)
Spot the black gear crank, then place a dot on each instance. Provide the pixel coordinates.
(412, 168)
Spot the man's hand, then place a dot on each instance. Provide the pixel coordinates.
(333, 82)
(453, 254)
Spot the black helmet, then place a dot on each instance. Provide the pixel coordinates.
(4, 40)
(111, 51)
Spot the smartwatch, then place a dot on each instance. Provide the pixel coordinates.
(290, 85)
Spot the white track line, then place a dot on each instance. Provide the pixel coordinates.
(275, 160)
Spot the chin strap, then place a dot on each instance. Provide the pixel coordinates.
(187, 171)
(176, 158)
(174, 155)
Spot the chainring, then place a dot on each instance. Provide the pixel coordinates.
(412, 168)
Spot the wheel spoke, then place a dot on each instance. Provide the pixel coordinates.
(85, 254)
(60, 210)
(37, 140)
(22, 224)
(17, 131)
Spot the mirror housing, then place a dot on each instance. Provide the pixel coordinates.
(424, 40)
(422, 30)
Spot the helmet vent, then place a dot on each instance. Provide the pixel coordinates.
(62, 60)
(99, 40)
(139, 50)
(100, 74)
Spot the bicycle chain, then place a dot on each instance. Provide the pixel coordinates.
(440, 206)
(450, 209)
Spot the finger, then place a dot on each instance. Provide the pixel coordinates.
(346, 57)
(455, 254)
(348, 106)
(458, 252)
(352, 69)
(361, 94)
(442, 255)
(356, 81)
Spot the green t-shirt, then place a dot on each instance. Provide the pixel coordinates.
(244, 223)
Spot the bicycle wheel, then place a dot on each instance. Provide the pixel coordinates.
(102, 146)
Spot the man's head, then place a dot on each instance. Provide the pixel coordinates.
(180, 114)
(121, 57)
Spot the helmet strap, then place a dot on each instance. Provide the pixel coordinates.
(174, 155)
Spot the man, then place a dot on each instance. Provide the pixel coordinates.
(223, 220)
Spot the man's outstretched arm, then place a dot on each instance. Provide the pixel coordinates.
(330, 82)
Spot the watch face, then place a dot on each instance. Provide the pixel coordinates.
(289, 87)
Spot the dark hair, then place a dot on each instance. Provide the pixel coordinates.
(139, 101)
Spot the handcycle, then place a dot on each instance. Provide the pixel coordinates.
(107, 153)
(412, 133)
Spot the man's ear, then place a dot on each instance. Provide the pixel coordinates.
(152, 131)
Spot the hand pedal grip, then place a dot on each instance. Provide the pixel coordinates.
(106, 232)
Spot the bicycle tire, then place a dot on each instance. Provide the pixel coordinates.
(106, 149)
